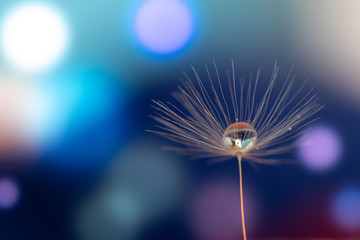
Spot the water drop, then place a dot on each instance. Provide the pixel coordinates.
(240, 137)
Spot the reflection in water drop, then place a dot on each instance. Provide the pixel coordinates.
(240, 137)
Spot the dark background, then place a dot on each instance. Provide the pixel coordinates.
(86, 169)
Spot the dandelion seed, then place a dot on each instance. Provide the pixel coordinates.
(212, 122)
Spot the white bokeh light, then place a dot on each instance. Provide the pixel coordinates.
(34, 37)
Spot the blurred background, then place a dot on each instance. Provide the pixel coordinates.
(76, 83)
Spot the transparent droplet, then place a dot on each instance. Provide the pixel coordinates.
(240, 137)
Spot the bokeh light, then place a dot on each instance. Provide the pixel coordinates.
(141, 187)
(87, 118)
(60, 111)
(24, 107)
(328, 43)
(215, 211)
(320, 148)
(34, 36)
(83, 95)
(118, 212)
(9, 193)
(157, 177)
(163, 26)
(346, 208)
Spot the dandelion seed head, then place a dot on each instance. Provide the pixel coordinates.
(213, 121)
(217, 117)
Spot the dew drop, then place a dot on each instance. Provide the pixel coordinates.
(240, 137)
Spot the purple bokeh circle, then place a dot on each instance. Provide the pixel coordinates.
(163, 26)
(215, 212)
(320, 148)
(346, 209)
(9, 193)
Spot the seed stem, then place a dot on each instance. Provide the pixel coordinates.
(241, 199)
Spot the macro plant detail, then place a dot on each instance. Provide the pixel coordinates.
(222, 118)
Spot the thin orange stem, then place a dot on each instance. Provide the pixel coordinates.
(241, 199)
